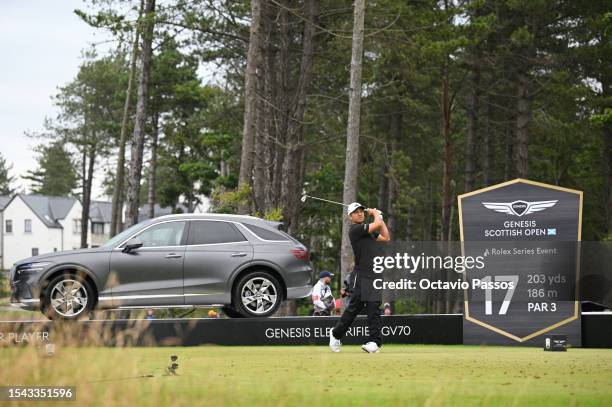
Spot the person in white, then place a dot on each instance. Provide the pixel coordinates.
(322, 297)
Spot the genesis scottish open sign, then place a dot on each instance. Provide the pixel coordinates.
(529, 235)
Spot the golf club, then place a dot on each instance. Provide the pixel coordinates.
(305, 197)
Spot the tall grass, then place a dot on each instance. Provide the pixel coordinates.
(4, 287)
(91, 355)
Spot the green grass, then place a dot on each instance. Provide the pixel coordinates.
(4, 287)
(311, 375)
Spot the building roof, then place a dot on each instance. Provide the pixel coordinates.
(50, 209)
(4, 200)
(101, 212)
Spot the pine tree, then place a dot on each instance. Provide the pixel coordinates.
(56, 175)
(5, 178)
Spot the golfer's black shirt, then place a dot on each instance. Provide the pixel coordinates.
(365, 248)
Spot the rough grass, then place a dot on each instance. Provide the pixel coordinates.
(4, 287)
(311, 375)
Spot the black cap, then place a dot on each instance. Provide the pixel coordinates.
(325, 273)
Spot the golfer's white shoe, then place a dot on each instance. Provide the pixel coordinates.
(370, 347)
(334, 344)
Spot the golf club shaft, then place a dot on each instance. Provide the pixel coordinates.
(325, 200)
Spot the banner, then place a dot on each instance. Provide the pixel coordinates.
(529, 235)
(404, 329)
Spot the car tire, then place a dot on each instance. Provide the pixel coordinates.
(251, 301)
(69, 297)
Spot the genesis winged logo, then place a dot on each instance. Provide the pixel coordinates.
(519, 208)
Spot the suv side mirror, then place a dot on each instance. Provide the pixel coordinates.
(132, 244)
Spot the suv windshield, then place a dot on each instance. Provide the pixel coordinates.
(115, 240)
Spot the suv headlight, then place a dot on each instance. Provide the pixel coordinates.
(32, 267)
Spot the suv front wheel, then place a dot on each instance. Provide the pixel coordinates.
(67, 296)
(257, 294)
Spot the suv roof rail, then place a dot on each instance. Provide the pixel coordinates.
(208, 214)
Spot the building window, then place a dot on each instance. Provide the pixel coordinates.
(27, 226)
(34, 251)
(8, 226)
(76, 226)
(97, 228)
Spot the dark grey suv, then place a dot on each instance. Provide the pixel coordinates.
(241, 262)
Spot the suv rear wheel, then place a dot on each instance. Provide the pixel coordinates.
(257, 294)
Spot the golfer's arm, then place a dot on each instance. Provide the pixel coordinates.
(377, 225)
(384, 235)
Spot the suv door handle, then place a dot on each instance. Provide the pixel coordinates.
(173, 256)
(240, 254)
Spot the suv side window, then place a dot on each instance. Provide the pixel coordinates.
(265, 233)
(164, 234)
(209, 232)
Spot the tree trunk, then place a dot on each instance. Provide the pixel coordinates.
(383, 189)
(87, 194)
(448, 157)
(285, 175)
(429, 218)
(608, 158)
(523, 117)
(509, 152)
(83, 193)
(153, 167)
(352, 134)
(487, 153)
(250, 98)
(396, 135)
(607, 155)
(260, 164)
(117, 205)
(278, 89)
(293, 167)
(294, 158)
(472, 131)
(273, 149)
(410, 223)
(135, 173)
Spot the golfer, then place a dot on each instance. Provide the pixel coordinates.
(366, 241)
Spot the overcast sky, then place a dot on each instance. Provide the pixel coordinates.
(40, 47)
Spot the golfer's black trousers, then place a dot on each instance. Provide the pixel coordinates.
(355, 305)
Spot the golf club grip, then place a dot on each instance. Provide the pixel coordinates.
(379, 211)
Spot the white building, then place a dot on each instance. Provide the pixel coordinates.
(36, 224)
(100, 216)
(3, 201)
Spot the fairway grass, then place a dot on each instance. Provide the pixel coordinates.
(400, 375)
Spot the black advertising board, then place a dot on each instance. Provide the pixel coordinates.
(400, 329)
(443, 329)
(529, 235)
